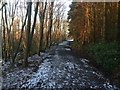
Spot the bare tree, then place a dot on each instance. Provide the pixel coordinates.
(58, 19)
(19, 43)
(10, 51)
(3, 5)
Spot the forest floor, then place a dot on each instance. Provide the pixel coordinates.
(58, 67)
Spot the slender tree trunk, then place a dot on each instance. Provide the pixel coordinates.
(94, 35)
(51, 20)
(28, 35)
(50, 26)
(0, 47)
(42, 28)
(8, 34)
(13, 45)
(0, 43)
(103, 29)
(4, 39)
(34, 23)
(118, 33)
(108, 21)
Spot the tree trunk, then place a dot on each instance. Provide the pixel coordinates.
(50, 26)
(8, 34)
(118, 33)
(94, 33)
(28, 35)
(4, 38)
(34, 23)
(42, 28)
(108, 22)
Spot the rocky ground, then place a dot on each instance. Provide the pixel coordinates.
(57, 68)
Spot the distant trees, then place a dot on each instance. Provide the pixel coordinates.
(59, 23)
(28, 28)
(93, 22)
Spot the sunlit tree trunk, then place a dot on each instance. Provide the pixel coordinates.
(50, 27)
(94, 35)
(8, 33)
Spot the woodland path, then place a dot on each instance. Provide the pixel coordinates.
(62, 69)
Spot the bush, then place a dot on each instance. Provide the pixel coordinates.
(107, 55)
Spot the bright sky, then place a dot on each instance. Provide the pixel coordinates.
(67, 3)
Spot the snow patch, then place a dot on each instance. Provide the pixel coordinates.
(63, 43)
(85, 61)
(68, 49)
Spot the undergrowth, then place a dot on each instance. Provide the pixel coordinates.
(106, 55)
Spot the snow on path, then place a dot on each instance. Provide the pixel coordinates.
(61, 69)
